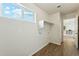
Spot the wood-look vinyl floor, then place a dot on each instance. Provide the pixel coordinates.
(66, 49)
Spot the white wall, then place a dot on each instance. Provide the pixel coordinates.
(47, 30)
(20, 37)
(69, 15)
(56, 31)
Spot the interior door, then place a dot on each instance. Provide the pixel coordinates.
(76, 35)
(77, 32)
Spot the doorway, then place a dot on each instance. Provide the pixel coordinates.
(69, 32)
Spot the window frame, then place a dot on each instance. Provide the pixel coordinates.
(23, 8)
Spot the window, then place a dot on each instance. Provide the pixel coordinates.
(28, 16)
(13, 10)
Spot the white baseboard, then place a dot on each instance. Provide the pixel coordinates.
(39, 49)
(58, 43)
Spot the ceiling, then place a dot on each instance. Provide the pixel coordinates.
(64, 9)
